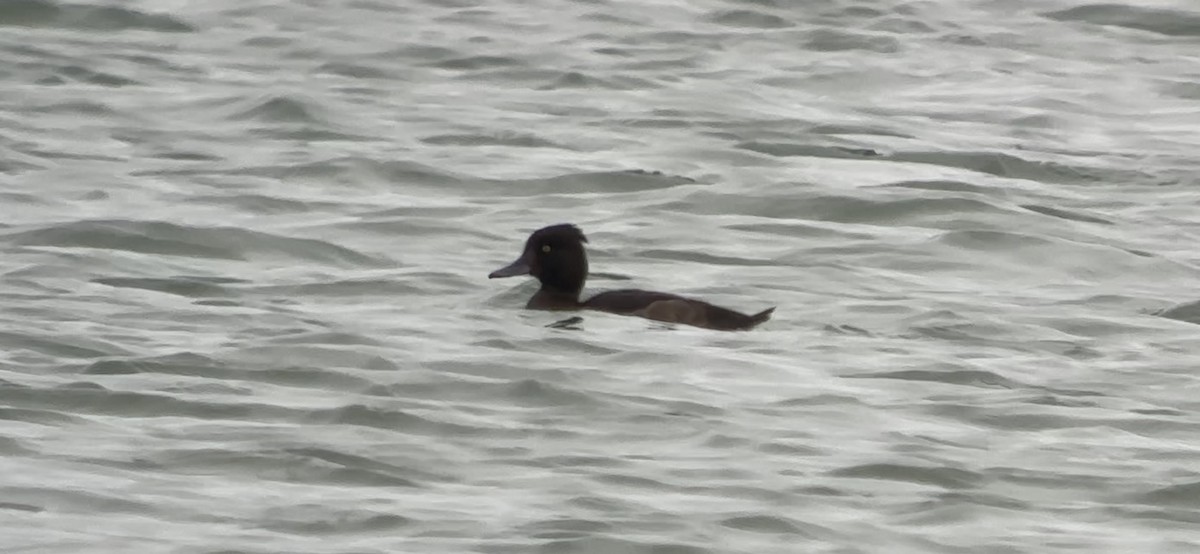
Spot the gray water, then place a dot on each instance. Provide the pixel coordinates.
(245, 305)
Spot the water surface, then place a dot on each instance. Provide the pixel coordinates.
(245, 248)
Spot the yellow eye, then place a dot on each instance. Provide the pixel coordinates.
(545, 248)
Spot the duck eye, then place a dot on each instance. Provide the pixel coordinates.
(545, 248)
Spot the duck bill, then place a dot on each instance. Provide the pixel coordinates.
(519, 267)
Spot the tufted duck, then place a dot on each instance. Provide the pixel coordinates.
(555, 255)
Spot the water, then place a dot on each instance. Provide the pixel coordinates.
(245, 248)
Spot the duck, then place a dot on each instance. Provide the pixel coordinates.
(556, 257)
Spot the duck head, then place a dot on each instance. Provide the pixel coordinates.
(556, 257)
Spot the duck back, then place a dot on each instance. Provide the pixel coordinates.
(672, 308)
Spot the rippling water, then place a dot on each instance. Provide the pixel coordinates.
(245, 248)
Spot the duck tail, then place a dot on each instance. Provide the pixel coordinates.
(760, 317)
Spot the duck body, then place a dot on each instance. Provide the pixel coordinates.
(556, 257)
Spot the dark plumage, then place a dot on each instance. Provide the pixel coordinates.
(555, 255)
